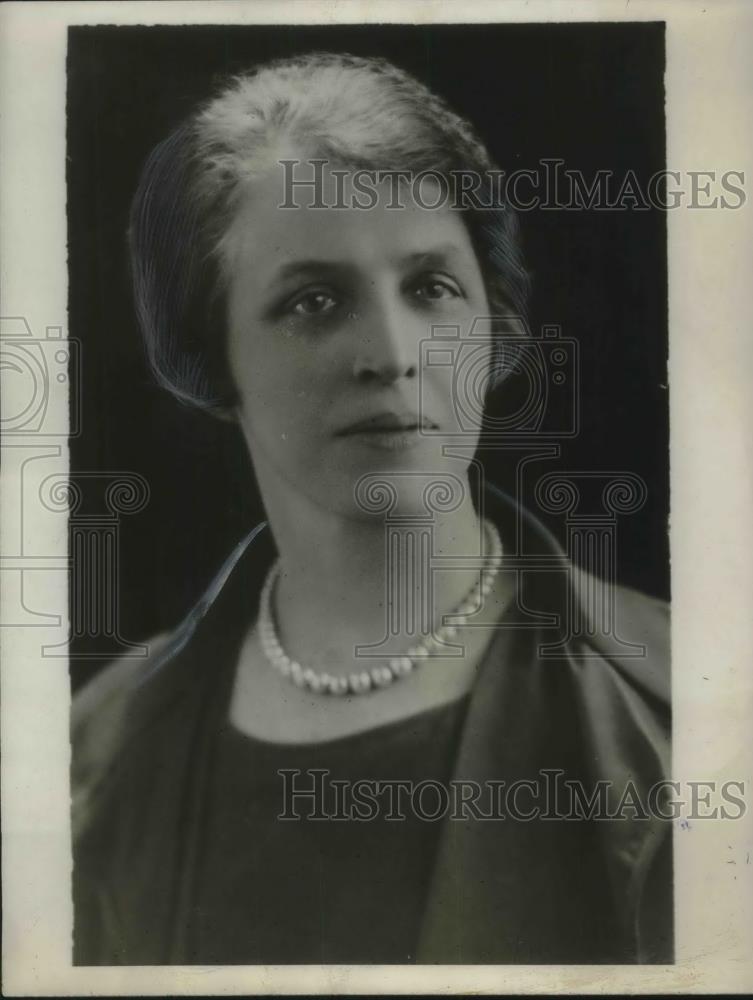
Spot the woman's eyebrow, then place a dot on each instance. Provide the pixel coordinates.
(433, 256)
(302, 268)
(442, 254)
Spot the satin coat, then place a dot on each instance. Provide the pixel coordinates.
(556, 691)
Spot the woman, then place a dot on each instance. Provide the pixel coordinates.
(230, 792)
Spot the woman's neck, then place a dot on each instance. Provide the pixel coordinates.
(348, 581)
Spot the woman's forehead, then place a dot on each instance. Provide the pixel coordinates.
(267, 232)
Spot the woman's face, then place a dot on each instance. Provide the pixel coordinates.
(329, 314)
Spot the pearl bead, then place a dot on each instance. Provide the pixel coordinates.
(381, 676)
(339, 685)
(399, 666)
(359, 683)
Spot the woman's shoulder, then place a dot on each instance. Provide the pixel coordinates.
(99, 715)
(628, 631)
(642, 613)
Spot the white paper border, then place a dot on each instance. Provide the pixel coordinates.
(709, 113)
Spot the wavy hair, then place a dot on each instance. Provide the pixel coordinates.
(363, 113)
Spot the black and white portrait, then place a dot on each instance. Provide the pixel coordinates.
(374, 324)
(375, 497)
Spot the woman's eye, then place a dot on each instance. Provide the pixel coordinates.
(313, 304)
(436, 289)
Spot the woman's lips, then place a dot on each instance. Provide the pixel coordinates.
(397, 439)
(387, 423)
(389, 432)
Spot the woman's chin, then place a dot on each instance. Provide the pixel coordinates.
(402, 488)
(397, 451)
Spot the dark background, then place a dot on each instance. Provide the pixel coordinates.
(591, 94)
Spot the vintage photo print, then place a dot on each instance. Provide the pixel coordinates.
(374, 500)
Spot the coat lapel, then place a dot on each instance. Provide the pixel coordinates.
(551, 890)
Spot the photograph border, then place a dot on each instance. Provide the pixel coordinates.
(709, 85)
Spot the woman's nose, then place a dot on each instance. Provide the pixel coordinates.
(388, 347)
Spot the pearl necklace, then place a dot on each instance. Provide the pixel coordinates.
(399, 666)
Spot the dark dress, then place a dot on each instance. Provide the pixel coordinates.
(319, 891)
(179, 857)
